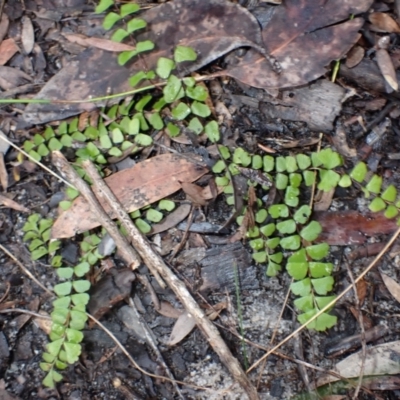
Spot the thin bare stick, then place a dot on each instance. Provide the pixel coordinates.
(155, 261)
(332, 303)
(27, 272)
(22, 311)
(126, 251)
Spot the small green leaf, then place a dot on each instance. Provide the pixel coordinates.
(103, 6)
(189, 81)
(256, 162)
(304, 303)
(146, 45)
(173, 130)
(301, 288)
(79, 136)
(315, 160)
(309, 178)
(257, 244)
(318, 251)
(280, 164)
(172, 88)
(273, 243)
(261, 216)
(391, 211)
(167, 205)
(197, 93)
(143, 140)
(222, 181)
(268, 230)
(115, 152)
(290, 242)
(311, 231)
(200, 109)
(49, 358)
(153, 215)
(142, 225)
(253, 232)
(141, 104)
(268, 163)
(273, 269)
(303, 161)
(359, 172)
(164, 67)
(295, 180)
(59, 317)
(105, 142)
(72, 351)
(54, 144)
(74, 336)
(80, 298)
(62, 302)
(212, 131)
(328, 179)
(125, 56)
(281, 181)
(291, 164)
(302, 214)
(297, 270)
(330, 159)
(377, 205)
(181, 111)
(322, 302)
(323, 285)
(130, 8)
(54, 347)
(35, 155)
(81, 269)
(241, 157)
(345, 181)
(119, 35)
(292, 196)
(134, 126)
(116, 135)
(389, 194)
(196, 126)
(319, 270)
(134, 25)
(183, 53)
(260, 257)
(35, 244)
(63, 289)
(218, 167)
(81, 285)
(39, 253)
(65, 273)
(279, 210)
(110, 20)
(286, 227)
(137, 78)
(43, 150)
(375, 184)
(48, 381)
(277, 257)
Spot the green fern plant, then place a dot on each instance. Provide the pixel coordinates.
(284, 234)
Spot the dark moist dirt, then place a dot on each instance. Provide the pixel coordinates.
(103, 372)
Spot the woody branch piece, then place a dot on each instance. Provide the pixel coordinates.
(128, 254)
(156, 263)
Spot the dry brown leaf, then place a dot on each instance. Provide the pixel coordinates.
(8, 203)
(136, 187)
(303, 36)
(323, 200)
(27, 35)
(380, 360)
(222, 27)
(103, 44)
(182, 327)
(346, 228)
(8, 48)
(361, 290)
(383, 22)
(3, 173)
(4, 24)
(172, 219)
(12, 77)
(392, 286)
(354, 56)
(386, 67)
(195, 193)
(168, 310)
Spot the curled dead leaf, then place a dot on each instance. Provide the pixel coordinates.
(383, 22)
(385, 65)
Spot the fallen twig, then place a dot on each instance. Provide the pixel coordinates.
(155, 262)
